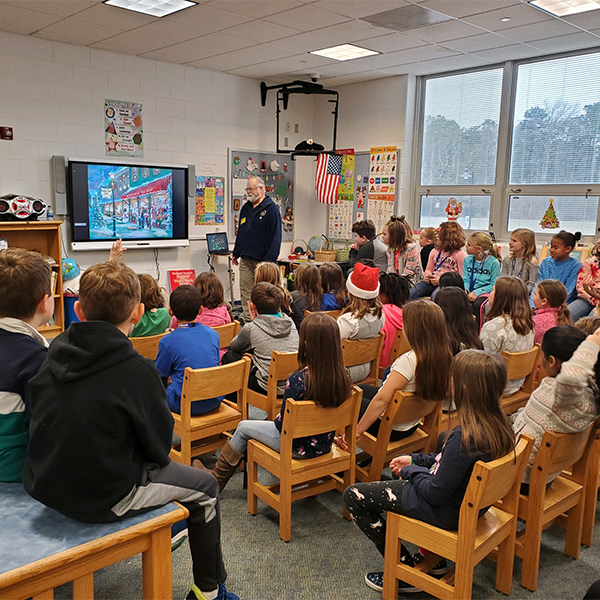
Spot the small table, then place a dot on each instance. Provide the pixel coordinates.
(41, 549)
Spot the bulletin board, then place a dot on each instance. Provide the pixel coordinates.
(277, 170)
(207, 211)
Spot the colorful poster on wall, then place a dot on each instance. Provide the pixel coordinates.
(382, 184)
(210, 205)
(340, 214)
(123, 129)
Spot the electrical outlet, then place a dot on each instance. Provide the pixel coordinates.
(295, 127)
(287, 126)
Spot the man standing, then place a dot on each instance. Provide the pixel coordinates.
(258, 238)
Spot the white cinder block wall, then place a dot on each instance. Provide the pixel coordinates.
(53, 95)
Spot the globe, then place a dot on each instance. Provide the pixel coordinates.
(70, 269)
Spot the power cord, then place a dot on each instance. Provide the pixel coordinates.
(157, 263)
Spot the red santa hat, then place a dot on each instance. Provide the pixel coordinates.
(364, 282)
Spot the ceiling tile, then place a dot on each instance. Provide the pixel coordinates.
(170, 32)
(359, 8)
(205, 15)
(479, 42)
(450, 63)
(129, 43)
(304, 42)
(307, 18)
(260, 31)
(391, 59)
(442, 32)
(509, 53)
(588, 20)
(565, 43)
(394, 42)
(60, 8)
(521, 14)
(463, 8)
(21, 20)
(224, 62)
(539, 31)
(304, 61)
(351, 31)
(112, 16)
(180, 53)
(256, 8)
(260, 70)
(71, 26)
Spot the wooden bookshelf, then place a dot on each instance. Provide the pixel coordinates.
(43, 237)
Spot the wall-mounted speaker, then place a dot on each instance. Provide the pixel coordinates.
(59, 178)
(191, 189)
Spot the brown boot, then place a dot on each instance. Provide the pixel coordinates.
(226, 465)
(198, 464)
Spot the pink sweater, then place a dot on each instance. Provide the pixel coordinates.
(391, 325)
(543, 319)
(448, 261)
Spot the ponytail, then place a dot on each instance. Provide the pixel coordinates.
(563, 315)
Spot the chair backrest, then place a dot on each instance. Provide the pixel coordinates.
(147, 346)
(201, 384)
(332, 313)
(305, 418)
(496, 480)
(407, 406)
(227, 333)
(359, 352)
(283, 364)
(521, 364)
(400, 346)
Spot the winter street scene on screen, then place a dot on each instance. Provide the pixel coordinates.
(130, 202)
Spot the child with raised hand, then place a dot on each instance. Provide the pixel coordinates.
(560, 265)
(215, 311)
(432, 486)
(522, 261)
(462, 328)
(509, 324)
(549, 306)
(588, 277)
(363, 318)
(26, 303)
(427, 243)
(481, 268)
(425, 369)
(269, 272)
(394, 293)
(566, 401)
(403, 252)
(321, 377)
(333, 285)
(308, 292)
(156, 318)
(448, 255)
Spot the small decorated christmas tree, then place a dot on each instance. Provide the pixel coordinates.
(97, 220)
(549, 220)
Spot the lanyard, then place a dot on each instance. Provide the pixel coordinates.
(439, 261)
(512, 271)
(474, 270)
(183, 325)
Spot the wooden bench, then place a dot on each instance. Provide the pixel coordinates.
(41, 549)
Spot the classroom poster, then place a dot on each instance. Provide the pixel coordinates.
(340, 214)
(382, 184)
(210, 205)
(123, 129)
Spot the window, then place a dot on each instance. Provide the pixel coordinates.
(475, 213)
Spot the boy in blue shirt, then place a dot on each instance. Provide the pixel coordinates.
(190, 345)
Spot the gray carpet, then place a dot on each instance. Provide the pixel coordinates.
(328, 558)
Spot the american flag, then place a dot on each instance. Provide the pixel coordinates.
(329, 168)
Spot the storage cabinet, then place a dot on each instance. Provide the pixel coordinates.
(43, 237)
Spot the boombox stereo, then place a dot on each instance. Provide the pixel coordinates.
(20, 208)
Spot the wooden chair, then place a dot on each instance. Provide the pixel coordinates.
(539, 510)
(227, 333)
(474, 539)
(283, 364)
(206, 433)
(403, 407)
(332, 313)
(518, 365)
(359, 352)
(303, 478)
(147, 346)
(400, 346)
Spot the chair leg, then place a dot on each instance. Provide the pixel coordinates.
(392, 558)
(285, 511)
(186, 451)
(531, 554)
(463, 580)
(252, 470)
(574, 529)
(506, 563)
(347, 482)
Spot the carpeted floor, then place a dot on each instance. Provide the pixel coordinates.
(328, 558)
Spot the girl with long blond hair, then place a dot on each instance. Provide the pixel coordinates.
(432, 486)
(509, 324)
(307, 292)
(550, 310)
(269, 272)
(522, 261)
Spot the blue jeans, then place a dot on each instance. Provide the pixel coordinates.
(263, 431)
(423, 289)
(579, 308)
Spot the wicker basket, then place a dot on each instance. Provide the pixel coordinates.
(343, 254)
(293, 255)
(325, 253)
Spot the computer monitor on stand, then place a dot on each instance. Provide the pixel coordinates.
(219, 246)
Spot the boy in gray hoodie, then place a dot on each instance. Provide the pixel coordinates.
(269, 330)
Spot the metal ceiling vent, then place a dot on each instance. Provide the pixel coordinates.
(408, 17)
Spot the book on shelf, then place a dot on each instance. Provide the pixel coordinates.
(179, 277)
(54, 280)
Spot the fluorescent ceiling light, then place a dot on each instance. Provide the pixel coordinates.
(563, 8)
(344, 52)
(154, 8)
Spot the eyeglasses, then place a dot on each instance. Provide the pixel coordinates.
(251, 189)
